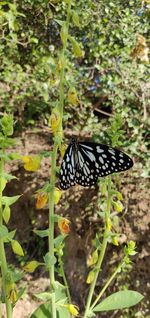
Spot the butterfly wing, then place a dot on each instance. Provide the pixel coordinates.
(103, 159)
(67, 170)
(85, 174)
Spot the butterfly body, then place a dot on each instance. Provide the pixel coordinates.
(84, 162)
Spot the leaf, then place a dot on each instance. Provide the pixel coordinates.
(6, 214)
(3, 231)
(43, 311)
(58, 240)
(7, 176)
(10, 200)
(16, 247)
(44, 296)
(119, 300)
(9, 236)
(49, 260)
(30, 267)
(41, 233)
(60, 291)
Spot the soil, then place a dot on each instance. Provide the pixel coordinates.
(80, 205)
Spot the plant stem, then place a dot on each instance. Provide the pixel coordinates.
(51, 228)
(106, 285)
(102, 252)
(65, 282)
(3, 261)
(53, 175)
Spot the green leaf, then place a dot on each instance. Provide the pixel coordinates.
(7, 124)
(20, 293)
(7, 176)
(10, 236)
(6, 214)
(60, 291)
(64, 34)
(119, 300)
(16, 247)
(44, 311)
(44, 296)
(58, 240)
(75, 19)
(41, 233)
(49, 260)
(10, 200)
(3, 231)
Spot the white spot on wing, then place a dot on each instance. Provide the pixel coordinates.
(99, 150)
(89, 155)
(111, 151)
(101, 159)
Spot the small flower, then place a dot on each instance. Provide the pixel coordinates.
(118, 206)
(57, 195)
(12, 292)
(74, 310)
(41, 200)
(109, 224)
(114, 240)
(90, 277)
(62, 149)
(63, 225)
(92, 259)
(54, 120)
(31, 163)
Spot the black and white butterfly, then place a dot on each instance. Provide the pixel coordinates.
(84, 162)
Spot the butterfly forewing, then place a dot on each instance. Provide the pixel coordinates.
(106, 160)
(84, 162)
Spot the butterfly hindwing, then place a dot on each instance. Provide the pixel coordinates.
(67, 171)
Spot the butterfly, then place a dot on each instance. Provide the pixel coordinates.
(84, 162)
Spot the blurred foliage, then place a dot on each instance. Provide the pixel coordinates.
(111, 77)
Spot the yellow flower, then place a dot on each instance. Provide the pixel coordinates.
(118, 206)
(13, 296)
(63, 225)
(109, 224)
(115, 240)
(62, 149)
(12, 292)
(74, 310)
(54, 120)
(90, 277)
(92, 259)
(57, 195)
(72, 96)
(31, 163)
(41, 200)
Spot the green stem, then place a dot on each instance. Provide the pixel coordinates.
(106, 285)
(102, 252)
(53, 177)
(3, 261)
(65, 281)
(51, 228)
